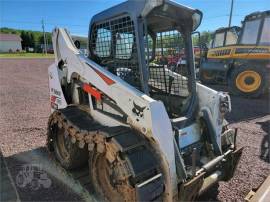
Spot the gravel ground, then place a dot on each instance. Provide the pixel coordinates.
(24, 110)
(252, 119)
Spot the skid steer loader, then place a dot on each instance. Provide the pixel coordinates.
(146, 132)
(239, 57)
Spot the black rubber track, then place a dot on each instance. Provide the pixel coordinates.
(134, 150)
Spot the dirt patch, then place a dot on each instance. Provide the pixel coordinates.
(24, 107)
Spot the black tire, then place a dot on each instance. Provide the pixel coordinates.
(34, 185)
(235, 76)
(69, 155)
(207, 77)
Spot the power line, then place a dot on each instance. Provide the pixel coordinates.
(225, 15)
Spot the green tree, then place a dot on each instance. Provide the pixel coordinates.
(23, 37)
(27, 39)
(48, 38)
(206, 37)
(32, 40)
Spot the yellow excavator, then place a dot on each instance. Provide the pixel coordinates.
(239, 57)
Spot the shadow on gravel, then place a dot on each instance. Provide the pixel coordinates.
(244, 109)
(7, 187)
(37, 179)
(265, 145)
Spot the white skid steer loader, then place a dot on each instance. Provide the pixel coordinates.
(147, 132)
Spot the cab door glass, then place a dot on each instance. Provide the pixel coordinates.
(124, 44)
(265, 38)
(231, 38)
(219, 40)
(250, 33)
(103, 42)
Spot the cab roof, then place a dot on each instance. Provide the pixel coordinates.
(224, 29)
(161, 9)
(258, 14)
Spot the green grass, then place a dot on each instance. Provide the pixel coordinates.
(25, 55)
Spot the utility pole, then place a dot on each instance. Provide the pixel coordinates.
(44, 36)
(230, 19)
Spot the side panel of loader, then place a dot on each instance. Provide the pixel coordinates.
(57, 97)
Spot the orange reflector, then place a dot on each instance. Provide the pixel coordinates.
(87, 88)
(107, 80)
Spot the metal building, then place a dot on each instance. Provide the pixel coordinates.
(10, 43)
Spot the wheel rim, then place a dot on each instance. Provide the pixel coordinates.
(106, 182)
(105, 178)
(63, 144)
(208, 75)
(20, 180)
(248, 81)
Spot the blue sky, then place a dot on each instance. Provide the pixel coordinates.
(76, 15)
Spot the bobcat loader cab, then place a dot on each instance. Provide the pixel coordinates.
(239, 57)
(147, 132)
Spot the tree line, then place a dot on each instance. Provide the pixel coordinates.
(35, 39)
(172, 40)
(30, 39)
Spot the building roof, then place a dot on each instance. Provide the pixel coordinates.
(9, 37)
